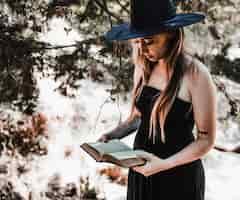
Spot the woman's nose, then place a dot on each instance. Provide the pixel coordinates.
(142, 46)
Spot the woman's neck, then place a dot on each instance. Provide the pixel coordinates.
(161, 67)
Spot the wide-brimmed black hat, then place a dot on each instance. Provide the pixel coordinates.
(149, 17)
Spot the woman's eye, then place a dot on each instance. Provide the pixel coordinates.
(135, 41)
(148, 42)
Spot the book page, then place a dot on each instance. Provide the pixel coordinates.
(121, 155)
(109, 147)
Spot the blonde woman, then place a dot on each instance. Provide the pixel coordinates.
(172, 92)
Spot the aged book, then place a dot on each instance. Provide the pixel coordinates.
(114, 151)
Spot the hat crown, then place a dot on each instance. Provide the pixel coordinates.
(147, 14)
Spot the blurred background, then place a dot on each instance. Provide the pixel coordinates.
(62, 84)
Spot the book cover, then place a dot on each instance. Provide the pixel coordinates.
(115, 152)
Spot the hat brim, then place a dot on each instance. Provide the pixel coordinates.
(124, 32)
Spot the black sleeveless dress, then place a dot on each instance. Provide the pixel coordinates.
(184, 182)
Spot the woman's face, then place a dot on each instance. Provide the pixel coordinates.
(153, 47)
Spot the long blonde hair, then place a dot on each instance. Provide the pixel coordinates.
(176, 66)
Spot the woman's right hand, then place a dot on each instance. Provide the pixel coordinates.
(104, 138)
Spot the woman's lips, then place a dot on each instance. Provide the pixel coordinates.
(150, 57)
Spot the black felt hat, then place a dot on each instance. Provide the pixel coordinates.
(149, 17)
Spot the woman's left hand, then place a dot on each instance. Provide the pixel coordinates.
(153, 165)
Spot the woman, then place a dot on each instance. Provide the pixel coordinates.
(172, 92)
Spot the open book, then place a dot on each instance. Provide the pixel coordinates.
(114, 151)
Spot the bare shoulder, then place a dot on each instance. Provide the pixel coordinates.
(197, 74)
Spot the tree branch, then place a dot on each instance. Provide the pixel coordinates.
(105, 8)
(123, 7)
(85, 13)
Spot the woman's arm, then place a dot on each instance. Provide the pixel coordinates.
(203, 93)
(125, 128)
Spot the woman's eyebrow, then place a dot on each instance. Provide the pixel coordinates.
(148, 37)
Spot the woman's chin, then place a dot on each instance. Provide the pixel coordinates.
(152, 59)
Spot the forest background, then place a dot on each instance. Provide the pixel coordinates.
(63, 84)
